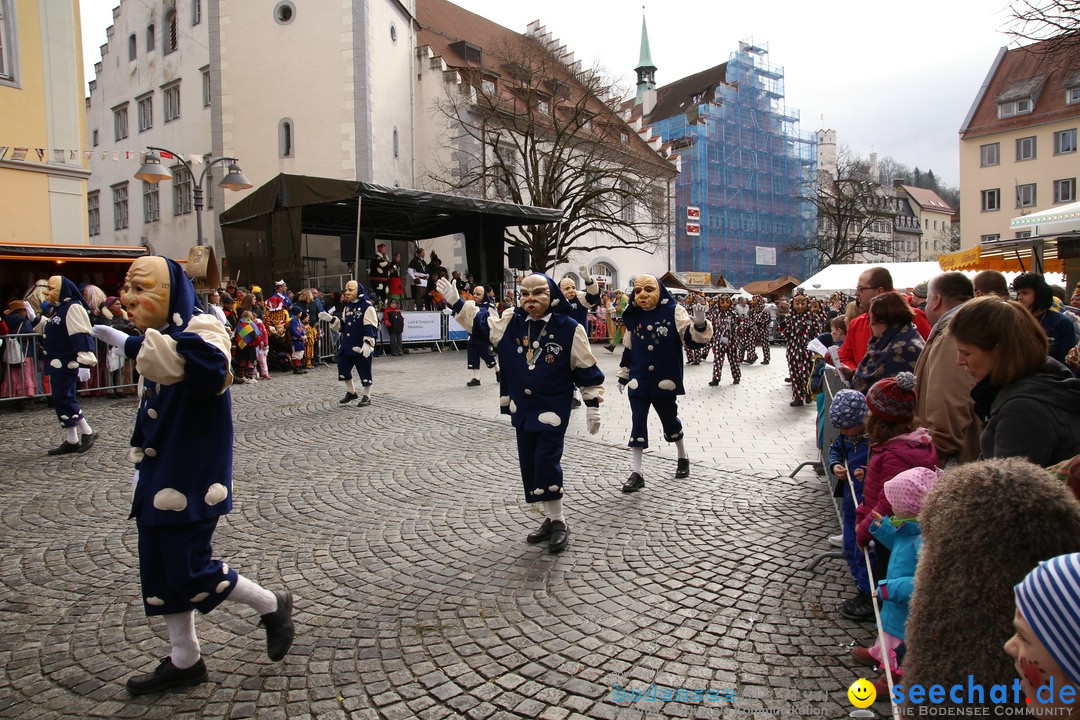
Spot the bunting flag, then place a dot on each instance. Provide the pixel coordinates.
(40, 153)
(58, 155)
(3, 151)
(127, 154)
(195, 159)
(74, 155)
(167, 155)
(104, 154)
(19, 153)
(116, 157)
(88, 154)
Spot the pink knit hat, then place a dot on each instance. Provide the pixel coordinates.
(905, 492)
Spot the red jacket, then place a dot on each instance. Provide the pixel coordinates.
(903, 452)
(859, 334)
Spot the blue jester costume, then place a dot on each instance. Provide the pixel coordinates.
(358, 324)
(67, 347)
(479, 345)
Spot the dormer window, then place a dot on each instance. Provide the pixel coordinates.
(1015, 107)
(470, 53)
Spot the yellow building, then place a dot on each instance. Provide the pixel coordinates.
(1018, 144)
(43, 169)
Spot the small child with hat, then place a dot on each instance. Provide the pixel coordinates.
(1046, 646)
(901, 535)
(850, 450)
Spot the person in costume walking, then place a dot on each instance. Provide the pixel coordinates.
(580, 306)
(359, 326)
(725, 341)
(478, 347)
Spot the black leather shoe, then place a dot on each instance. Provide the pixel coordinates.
(559, 537)
(714, 382)
(683, 470)
(735, 381)
(797, 402)
(764, 362)
(279, 626)
(473, 383)
(349, 397)
(64, 448)
(87, 441)
(633, 483)
(364, 401)
(541, 533)
(166, 677)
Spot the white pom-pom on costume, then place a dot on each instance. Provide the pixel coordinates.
(550, 418)
(135, 455)
(666, 384)
(73, 365)
(155, 601)
(538, 491)
(152, 414)
(169, 499)
(553, 488)
(216, 493)
(151, 452)
(513, 406)
(200, 597)
(224, 568)
(528, 391)
(356, 349)
(63, 417)
(56, 363)
(177, 320)
(554, 302)
(222, 586)
(504, 400)
(664, 301)
(632, 384)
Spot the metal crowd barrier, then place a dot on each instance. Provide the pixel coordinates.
(832, 384)
(28, 381)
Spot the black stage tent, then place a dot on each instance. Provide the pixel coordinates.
(263, 232)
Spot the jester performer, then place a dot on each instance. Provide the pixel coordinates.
(277, 327)
(297, 338)
(479, 346)
(580, 306)
(651, 370)
(182, 449)
(359, 326)
(726, 342)
(758, 331)
(68, 350)
(543, 353)
(800, 327)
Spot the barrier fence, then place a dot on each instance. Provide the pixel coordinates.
(113, 376)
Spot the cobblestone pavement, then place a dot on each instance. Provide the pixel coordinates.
(400, 529)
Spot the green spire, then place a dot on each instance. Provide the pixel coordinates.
(645, 61)
(646, 71)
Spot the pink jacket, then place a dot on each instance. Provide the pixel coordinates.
(903, 452)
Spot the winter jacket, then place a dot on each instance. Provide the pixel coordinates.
(896, 351)
(944, 404)
(850, 449)
(903, 543)
(1037, 417)
(903, 452)
(1061, 333)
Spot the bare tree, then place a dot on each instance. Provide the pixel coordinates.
(529, 129)
(1057, 22)
(855, 214)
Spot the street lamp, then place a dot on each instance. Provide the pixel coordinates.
(154, 172)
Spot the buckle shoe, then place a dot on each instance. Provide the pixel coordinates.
(559, 537)
(279, 626)
(541, 533)
(167, 676)
(633, 483)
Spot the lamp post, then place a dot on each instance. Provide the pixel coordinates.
(152, 171)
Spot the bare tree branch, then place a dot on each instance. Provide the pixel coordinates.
(1054, 24)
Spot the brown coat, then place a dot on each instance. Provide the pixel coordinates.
(985, 526)
(944, 405)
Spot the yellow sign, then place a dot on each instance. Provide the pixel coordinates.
(959, 260)
(973, 259)
(699, 278)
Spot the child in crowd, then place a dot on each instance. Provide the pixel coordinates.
(895, 445)
(297, 338)
(245, 340)
(850, 451)
(1046, 646)
(902, 535)
(395, 325)
(262, 346)
(833, 338)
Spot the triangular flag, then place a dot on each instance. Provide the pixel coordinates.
(19, 153)
(104, 154)
(88, 154)
(116, 157)
(3, 151)
(195, 159)
(58, 155)
(72, 155)
(167, 155)
(40, 153)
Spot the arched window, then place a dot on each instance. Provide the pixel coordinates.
(150, 38)
(285, 138)
(171, 37)
(132, 46)
(395, 142)
(606, 275)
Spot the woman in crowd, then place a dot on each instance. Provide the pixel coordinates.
(895, 345)
(1029, 403)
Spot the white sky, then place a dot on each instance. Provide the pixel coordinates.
(896, 79)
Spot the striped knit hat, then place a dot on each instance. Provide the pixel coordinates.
(1049, 599)
(893, 399)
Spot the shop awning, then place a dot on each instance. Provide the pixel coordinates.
(49, 252)
(1061, 219)
(1015, 255)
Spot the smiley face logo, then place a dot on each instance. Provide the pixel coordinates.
(862, 693)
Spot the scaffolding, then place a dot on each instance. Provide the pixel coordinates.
(750, 171)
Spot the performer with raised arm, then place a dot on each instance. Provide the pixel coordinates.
(359, 326)
(479, 345)
(580, 306)
(182, 450)
(651, 371)
(543, 354)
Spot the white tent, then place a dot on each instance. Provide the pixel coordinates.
(844, 277)
(1061, 219)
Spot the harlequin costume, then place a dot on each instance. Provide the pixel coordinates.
(725, 341)
(359, 326)
(651, 368)
(311, 339)
(277, 320)
(543, 353)
(379, 274)
(757, 331)
(182, 450)
(68, 353)
(799, 329)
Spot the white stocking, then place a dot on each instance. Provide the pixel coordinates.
(350, 386)
(637, 453)
(72, 434)
(84, 427)
(366, 391)
(553, 510)
(253, 595)
(681, 449)
(185, 645)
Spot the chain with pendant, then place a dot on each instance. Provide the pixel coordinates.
(530, 346)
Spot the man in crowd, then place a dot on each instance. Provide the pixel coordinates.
(418, 275)
(991, 282)
(872, 282)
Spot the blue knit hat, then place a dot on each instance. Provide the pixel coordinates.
(1049, 599)
(848, 410)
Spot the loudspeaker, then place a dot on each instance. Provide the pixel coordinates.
(519, 258)
(367, 244)
(348, 247)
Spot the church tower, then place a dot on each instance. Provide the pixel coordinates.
(646, 73)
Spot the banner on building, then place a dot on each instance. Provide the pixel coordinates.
(699, 278)
(765, 255)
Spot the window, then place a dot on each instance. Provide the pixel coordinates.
(93, 213)
(171, 96)
(926, 223)
(146, 112)
(990, 154)
(1025, 148)
(120, 206)
(1072, 96)
(196, 12)
(487, 86)
(285, 138)
(989, 238)
(120, 125)
(170, 39)
(1065, 142)
(206, 87)
(393, 33)
(626, 202)
(132, 47)
(543, 106)
(181, 183)
(151, 205)
(1025, 195)
(1065, 190)
(991, 200)
(150, 38)
(8, 55)
(284, 13)
(94, 138)
(1016, 107)
(396, 149)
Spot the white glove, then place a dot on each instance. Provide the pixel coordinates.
(84, 374)
(109, 335)
(367, 349)
(448, 290)
(326, 317)
(592, 420)
(583, 270)
(699, 315)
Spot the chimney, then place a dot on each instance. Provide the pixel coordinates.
(648, 102)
